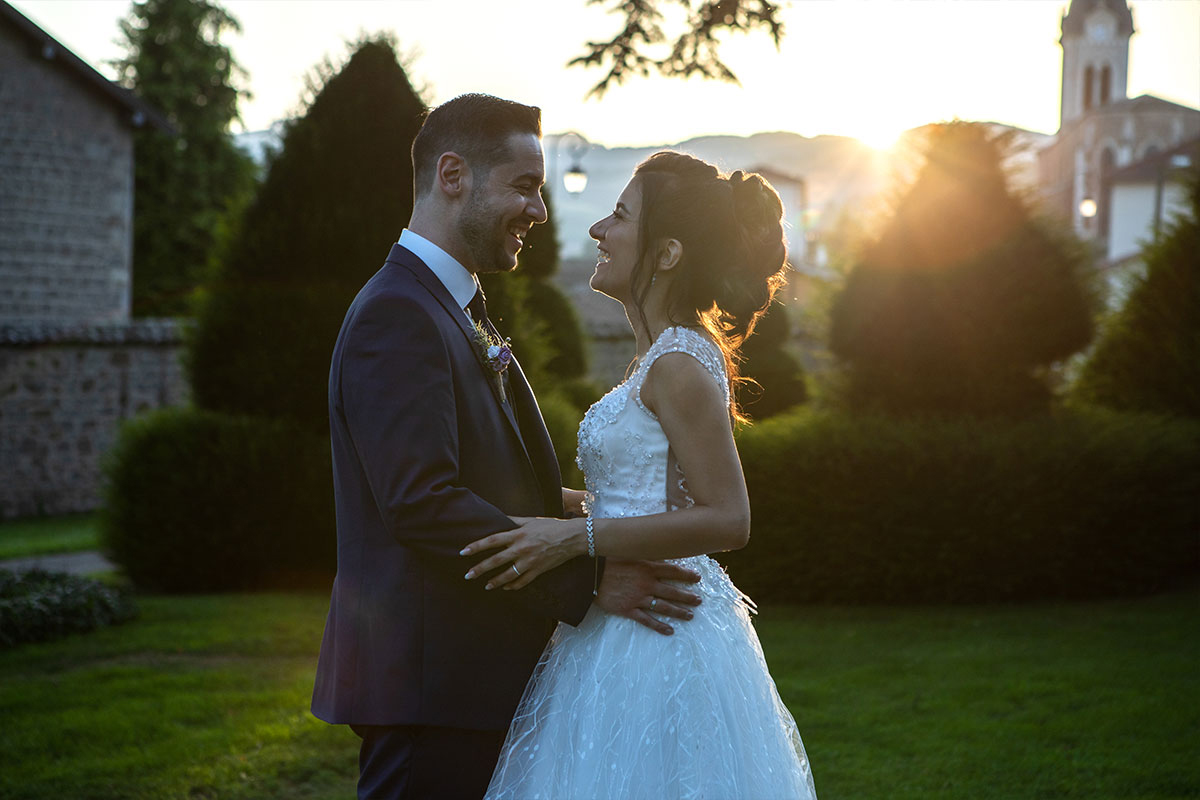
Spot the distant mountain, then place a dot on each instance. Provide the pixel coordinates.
(838, 171)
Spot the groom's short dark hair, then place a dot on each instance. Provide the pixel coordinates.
(477, 127)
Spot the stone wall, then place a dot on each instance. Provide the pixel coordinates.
(66, 194)
(64, 392)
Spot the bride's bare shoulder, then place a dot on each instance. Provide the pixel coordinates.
(678, 379)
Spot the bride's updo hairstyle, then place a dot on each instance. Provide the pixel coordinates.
(734, 251)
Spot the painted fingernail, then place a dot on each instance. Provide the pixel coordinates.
(687, 615)
(470, 574)
(488, 587)
(466, 551)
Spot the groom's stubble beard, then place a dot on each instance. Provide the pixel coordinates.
(483, 234)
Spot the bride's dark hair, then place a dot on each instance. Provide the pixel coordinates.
(734, 249)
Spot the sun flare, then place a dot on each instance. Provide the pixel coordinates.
(880, 137)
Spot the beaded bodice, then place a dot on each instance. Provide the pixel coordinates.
(623, 451)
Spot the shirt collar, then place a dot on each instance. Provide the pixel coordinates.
(454, 276)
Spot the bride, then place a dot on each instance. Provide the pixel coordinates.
(614, 710)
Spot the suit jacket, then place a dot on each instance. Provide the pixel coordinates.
(426, 459)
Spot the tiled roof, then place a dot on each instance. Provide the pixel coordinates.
(50, 49)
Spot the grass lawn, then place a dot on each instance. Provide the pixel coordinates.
(207, 697)
(46, 535)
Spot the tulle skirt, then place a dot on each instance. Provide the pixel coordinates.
(614, 710)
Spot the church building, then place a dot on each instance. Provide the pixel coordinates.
(1106, 138)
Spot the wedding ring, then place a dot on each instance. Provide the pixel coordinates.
(514, 569)
(653, 602)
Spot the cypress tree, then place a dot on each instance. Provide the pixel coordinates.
(965, 298)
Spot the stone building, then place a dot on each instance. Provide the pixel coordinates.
(73, 364)
(1101, 130)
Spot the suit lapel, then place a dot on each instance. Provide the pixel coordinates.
(403, 257)
(537, 441)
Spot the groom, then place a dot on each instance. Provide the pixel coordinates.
(434, 448)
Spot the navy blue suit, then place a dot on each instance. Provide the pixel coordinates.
(426, 458)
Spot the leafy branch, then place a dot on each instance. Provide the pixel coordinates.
(693, 52)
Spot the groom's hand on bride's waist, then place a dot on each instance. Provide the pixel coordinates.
(640, 591)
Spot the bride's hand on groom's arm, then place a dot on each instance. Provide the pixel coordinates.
(538, 545)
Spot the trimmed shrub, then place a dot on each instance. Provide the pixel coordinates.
(37, 606)
(965, 298)
(201, 501)
(340, 190)
(562, 419)
(245, 356)
(563, 330)
(333, 202)
(1149, 356)
(778, 377)
(539, 257)
(874, 509)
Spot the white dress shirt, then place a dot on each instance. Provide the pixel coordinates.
(454, 276)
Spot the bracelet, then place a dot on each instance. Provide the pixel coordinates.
(591, 538)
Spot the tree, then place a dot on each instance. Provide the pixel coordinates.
(693, 51)
(965, 298)
(184, 185)
(1149, 356)
(338, 192)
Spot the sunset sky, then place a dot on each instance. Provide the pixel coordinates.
(864, 68)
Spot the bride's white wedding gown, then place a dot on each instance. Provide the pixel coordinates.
(615, 710)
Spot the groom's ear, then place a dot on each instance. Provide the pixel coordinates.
(453, 178)
(670, 251)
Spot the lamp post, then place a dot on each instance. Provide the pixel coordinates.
(574, 178)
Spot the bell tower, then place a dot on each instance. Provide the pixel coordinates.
(1095, 43)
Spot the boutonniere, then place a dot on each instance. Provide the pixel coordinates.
(495, 355)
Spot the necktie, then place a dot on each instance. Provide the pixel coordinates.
(478, 308)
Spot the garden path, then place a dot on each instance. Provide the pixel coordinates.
(84, 563)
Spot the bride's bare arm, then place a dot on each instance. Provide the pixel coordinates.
(691, 408)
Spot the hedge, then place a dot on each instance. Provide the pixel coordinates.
(876, 509)
(201, 501)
